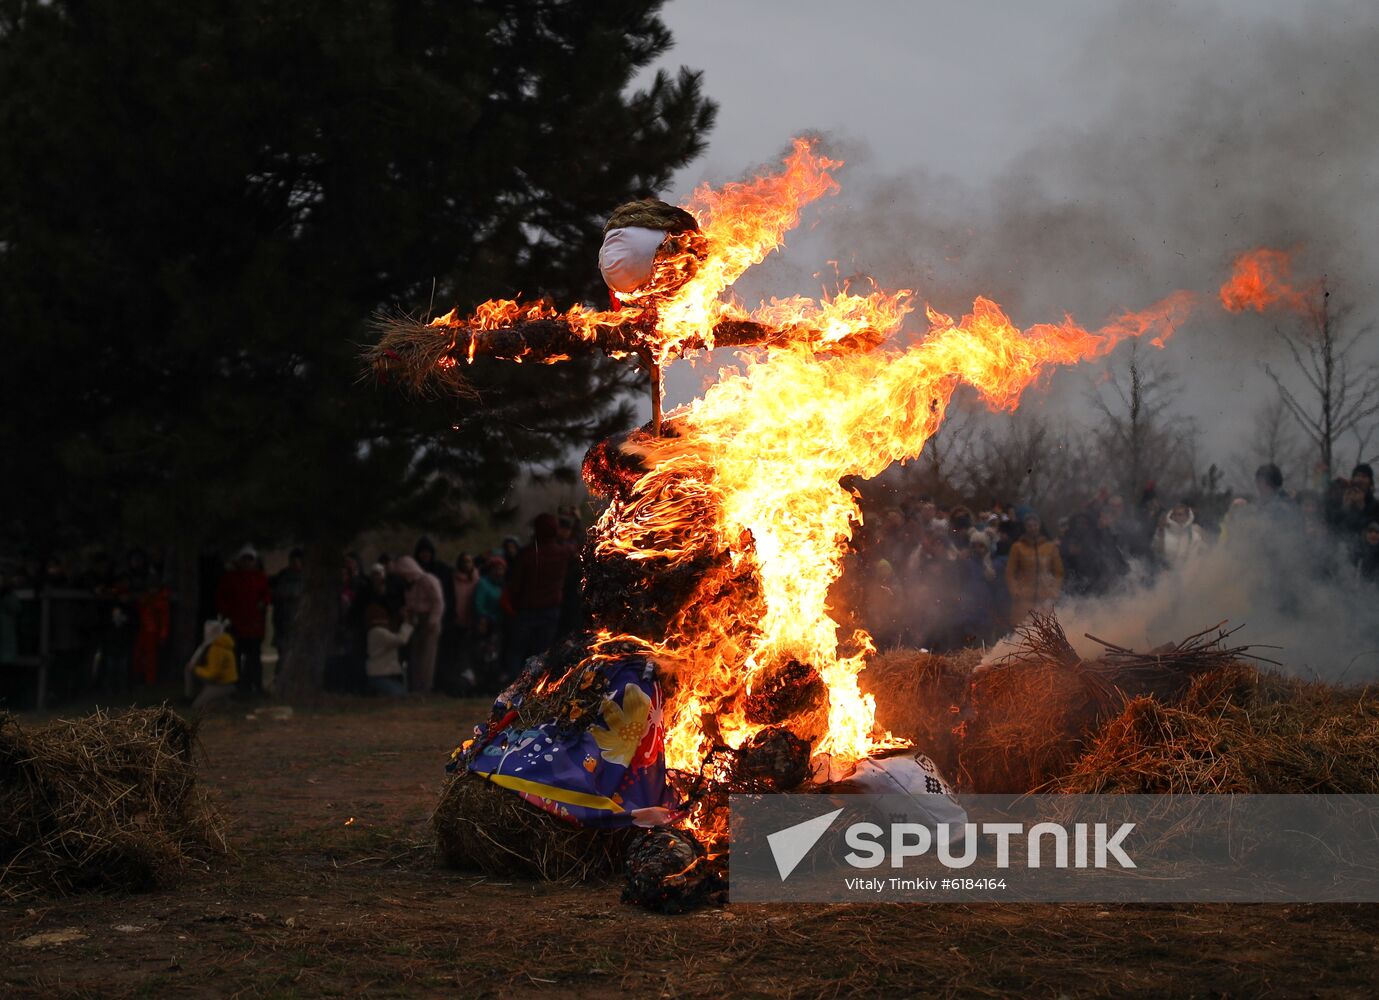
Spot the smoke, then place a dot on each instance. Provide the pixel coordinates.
(1201, 133)
(1204, 135)
(1284, 588)
(1197, 131)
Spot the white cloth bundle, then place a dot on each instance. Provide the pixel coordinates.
(628, 256)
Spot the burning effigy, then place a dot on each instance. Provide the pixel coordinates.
(712, 662)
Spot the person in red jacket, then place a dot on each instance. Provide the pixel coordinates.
(534, 591)
(243, 597)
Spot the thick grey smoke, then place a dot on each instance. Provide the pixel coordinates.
(1204, 131)
(1283, 588)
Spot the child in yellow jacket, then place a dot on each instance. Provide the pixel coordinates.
(214, 664)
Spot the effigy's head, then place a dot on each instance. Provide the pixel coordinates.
(650, 249)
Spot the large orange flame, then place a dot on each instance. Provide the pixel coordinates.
(1262, 279)
(771, 444)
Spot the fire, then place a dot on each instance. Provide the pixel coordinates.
(751, 472)
(772, 444)
(741, 224)
(1262, 279)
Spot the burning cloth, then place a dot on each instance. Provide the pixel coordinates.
(598, 762)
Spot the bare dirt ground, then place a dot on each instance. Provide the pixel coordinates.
(313, 907)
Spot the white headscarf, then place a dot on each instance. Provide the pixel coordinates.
(628, 256)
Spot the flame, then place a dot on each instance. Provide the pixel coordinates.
(750, 482)
(765, 450)
(741, 223)
(1262, 279)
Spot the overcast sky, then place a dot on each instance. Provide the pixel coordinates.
(1059, 156)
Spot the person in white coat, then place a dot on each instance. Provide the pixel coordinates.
(425, 604)
(383, 668)
(1180, 540)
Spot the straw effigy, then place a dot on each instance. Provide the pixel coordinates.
(101, 802)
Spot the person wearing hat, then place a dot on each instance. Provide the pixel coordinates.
(1034, 571)
(973, 601)
(1179, 541)
(425, 604)
(243, 598)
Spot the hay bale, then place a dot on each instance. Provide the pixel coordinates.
(481, 826)
(1024, 723)
(1152, 749)
(919, 696)
(101, 802)
(1238, 730)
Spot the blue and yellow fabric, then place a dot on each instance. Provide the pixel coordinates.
(606, 770)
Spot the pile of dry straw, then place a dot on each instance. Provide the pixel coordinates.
(101, 802)
(1194, 717)
(479, 825)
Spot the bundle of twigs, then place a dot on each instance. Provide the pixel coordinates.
(101, 802)
(1168, 668)
(1041, 639)
(1042, 642)
(1120, 672)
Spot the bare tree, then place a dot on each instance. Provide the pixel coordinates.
(1140, 437)
(1343, 396)
(1275, 441)
(940, 470)
(1025, 457)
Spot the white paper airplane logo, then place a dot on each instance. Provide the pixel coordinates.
(789, 846)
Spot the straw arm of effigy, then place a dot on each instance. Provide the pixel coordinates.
(418, 353)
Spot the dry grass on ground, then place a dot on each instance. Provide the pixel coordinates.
(102, 801)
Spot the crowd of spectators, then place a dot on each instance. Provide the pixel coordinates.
(921, 574)
(407, 623)
(415, 623)
(918, 574)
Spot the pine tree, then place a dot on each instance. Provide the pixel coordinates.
(201, 204)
